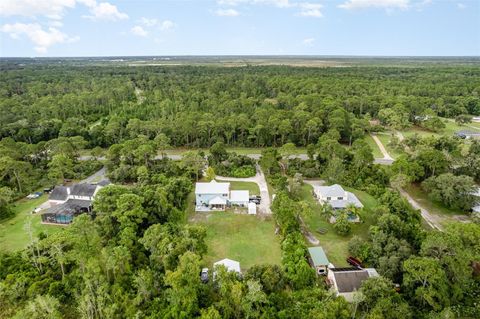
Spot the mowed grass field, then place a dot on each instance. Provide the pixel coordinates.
(13, 232)
(244, 238)
(336, 246)
(246, 186)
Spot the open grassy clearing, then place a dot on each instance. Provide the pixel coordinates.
(433, 207)
(385, 139)
(247, 186)
(13, 233)
(450, 129)
(376, 151)
(245, 238)
(336, 246)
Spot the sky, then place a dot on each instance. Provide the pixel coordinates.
(56, 28)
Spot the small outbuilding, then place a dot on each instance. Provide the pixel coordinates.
(230, 264)
(318, 259)
(239, 198)
(252, 209)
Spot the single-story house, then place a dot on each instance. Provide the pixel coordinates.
(218, 196)
(336, 196)
(229, 264)
(468, 134)
(67, 202)
(345, 282)
(318, 259)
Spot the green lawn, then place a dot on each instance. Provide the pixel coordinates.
(450, 129)
(248, 186)
(245, 238)
(336, 246)
(13, 235)
(385, 139)
(376, 151)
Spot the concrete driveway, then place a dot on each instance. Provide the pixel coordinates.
(259, 179)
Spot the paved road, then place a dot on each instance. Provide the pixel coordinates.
(177, 157)
(95, 177)
(431, 219)
(260, 180)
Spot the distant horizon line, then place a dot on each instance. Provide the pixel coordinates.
(241, 55)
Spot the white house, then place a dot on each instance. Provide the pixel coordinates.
(84, 191)
(345, 282)
(218, 196)
(336, 196)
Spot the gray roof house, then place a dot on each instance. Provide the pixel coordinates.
(345, 282)
(336, 196)
(69, 201)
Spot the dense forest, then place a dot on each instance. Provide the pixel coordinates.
(136, 255)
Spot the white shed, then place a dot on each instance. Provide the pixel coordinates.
(231, 265)
(252, 209)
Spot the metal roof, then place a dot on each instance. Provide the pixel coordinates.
(330, 191)
(213, 187)
(231, 265)
(351, 199)
(239, 196)
(318, 256)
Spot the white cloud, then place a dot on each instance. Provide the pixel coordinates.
(461, 6)
(42, 39)
(162, 25)
(227, 13)
(308, 9)
(139, 31)
(166, 25)
(53, 9)
(105, 11)
(55, 23)
(384, 4)
(277, 3)
(308, 41)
